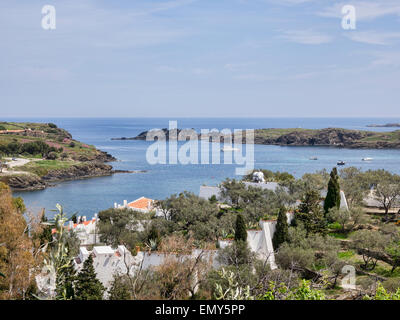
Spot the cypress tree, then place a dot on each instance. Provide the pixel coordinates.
(333, 195)
(282, 229)
(240, 230)
(87, 286)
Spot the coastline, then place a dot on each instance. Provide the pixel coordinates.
(327, 137)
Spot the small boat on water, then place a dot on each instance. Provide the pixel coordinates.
(367, 159)
(341, 163)
(229, 149)
(313, 158)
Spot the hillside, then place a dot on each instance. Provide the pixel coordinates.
(34, 154)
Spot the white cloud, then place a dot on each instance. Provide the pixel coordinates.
(391, 59)
(168, 69)
(373, 37)
(200, 71)
(237, 66)
(306, 37)
(289, 2)
(254, 77)
(365, 10)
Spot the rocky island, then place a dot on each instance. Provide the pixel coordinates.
(387, 125)
(33, 155)
(335, 137)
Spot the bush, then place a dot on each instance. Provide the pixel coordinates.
(52, 156)
(72, 144)
(52, 125)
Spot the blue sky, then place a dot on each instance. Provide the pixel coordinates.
(200, 58)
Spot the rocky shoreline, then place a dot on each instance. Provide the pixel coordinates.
(32, 182)
(329, 137)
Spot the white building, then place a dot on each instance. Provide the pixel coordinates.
(86, 230)
(206, 192)
(141, 204)
(260, 241)
(108, 261)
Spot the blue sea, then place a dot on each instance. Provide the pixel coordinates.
(89, 196)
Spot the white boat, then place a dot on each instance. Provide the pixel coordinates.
(313, 158)
(341, 163)
(367, 159)
(229, 149)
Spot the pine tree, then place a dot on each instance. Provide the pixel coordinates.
(87, 286)
(120, 289)
(311, 214)
(333, 195)
(65, 279)
(240, 230)
(282, 229)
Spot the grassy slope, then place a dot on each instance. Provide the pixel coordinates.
(53, 137)
(42, 167)
(56, 137)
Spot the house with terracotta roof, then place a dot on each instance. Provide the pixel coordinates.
(142, 204)
(86, 230)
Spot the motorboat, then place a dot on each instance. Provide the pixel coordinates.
(229, 149)
(367, 159)
(341, 163)
(313, 158)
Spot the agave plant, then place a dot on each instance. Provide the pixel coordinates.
(58, 256)
(152, 244)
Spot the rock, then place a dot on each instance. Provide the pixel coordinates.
(79, 171)
(26, 182)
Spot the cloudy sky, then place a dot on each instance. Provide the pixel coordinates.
(194, 58)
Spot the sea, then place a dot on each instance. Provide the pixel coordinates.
(89, 196)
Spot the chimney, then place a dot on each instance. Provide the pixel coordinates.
(84, 218)
(78, 220)
(125, 203)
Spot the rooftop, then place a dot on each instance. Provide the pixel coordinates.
(141, 203)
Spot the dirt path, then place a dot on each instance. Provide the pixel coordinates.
(16, 163)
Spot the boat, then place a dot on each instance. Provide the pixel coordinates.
(313, 158)
(229, 149)
(367, 159)
(341, 163)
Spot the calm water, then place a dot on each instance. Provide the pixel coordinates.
(91, 195)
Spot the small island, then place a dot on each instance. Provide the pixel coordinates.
(332, 137)
(33, 155)
(387, 125)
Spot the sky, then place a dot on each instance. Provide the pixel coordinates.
(200, 58)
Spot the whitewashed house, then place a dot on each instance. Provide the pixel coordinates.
(141, 204)
(260, 241)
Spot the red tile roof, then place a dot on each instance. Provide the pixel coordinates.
(141, 203)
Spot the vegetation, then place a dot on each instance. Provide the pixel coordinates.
(240, 230)
(87, 286)
(281, 234)
(310, 253)
(332, 199)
